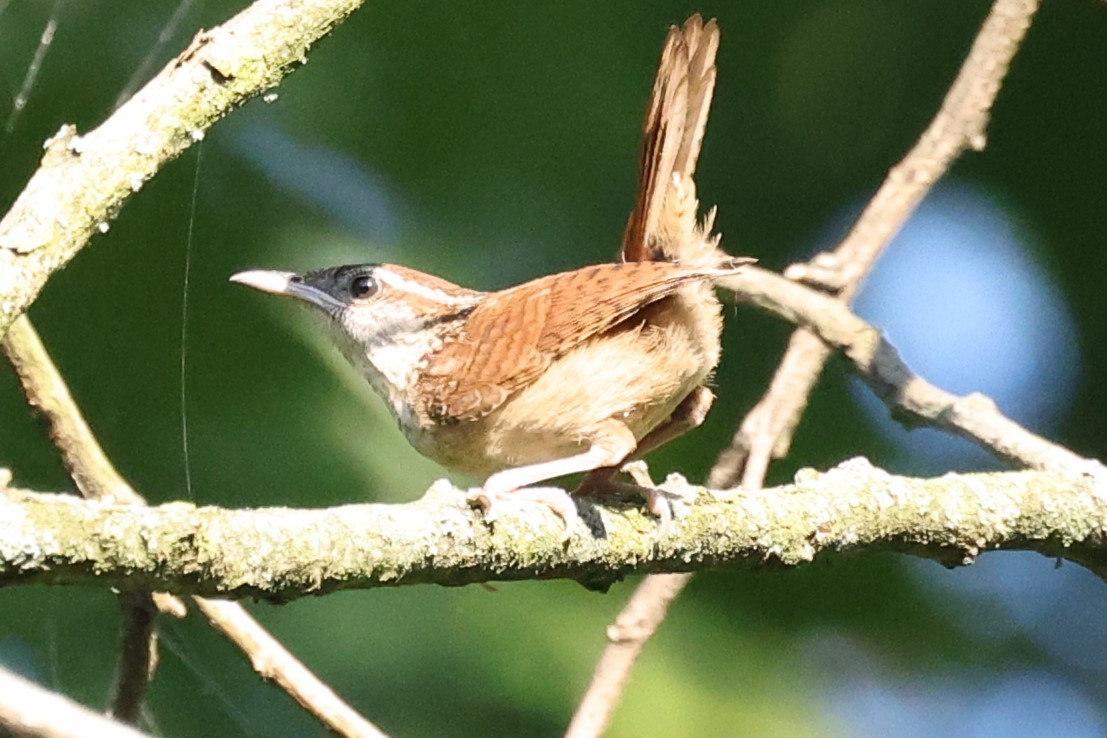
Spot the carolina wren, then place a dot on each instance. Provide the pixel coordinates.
(572, 372)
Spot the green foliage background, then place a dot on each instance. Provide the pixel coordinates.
(492, 142)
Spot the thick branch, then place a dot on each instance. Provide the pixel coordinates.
(282, 554)
(83, 181)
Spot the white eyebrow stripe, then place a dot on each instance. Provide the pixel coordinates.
(391, 279)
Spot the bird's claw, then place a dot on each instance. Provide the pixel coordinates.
(494, 502)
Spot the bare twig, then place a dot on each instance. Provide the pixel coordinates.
(98, 479)
(911, 398)
(767, 430)
(44, 43)
(83, 181)
(960, 124)
(636, 622)
(138, 655)
(27, 709)
(47, 391)
(273, 662)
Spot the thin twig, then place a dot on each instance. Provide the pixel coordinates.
(98, 479)
(138, 655)
(44, 43)
(960, 124)
(167, 32)
(767, 430)
(912, 399)
(636, 622)
(47, 391)
(275, 663)
(27, 709)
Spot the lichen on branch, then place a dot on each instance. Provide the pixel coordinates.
(281, 554)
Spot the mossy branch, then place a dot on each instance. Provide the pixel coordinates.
(84, 180)
(281, 554)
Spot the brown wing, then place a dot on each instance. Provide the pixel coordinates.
(513, 335)
(671, 139)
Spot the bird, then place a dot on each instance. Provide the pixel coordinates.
(579, 371)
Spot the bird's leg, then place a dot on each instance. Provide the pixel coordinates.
(611, 443)
(689, 414)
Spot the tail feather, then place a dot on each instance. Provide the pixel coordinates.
(702, 43)
(663, 224)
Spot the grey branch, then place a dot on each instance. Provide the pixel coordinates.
(960, 123)
(84, 180)
(766, 432)
(912, 399)
(98, 479)
(31, 710)
(281, 554)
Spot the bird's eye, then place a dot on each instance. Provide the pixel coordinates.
(363, 286)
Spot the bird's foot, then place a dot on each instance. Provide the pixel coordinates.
(657, 500)
(495, 501)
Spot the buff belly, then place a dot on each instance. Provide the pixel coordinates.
(636, 375)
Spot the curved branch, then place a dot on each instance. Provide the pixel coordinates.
(281, 554)
(912, 400)
(83, 181)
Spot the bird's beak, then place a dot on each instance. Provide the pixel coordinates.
(277, 283)
(289, 284)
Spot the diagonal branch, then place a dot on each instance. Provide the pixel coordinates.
(912, 399)
(275, 663)
(960, 124)
(83, 181)
(28, 709)
(767, 430)
(634, 625)
(98, 479)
